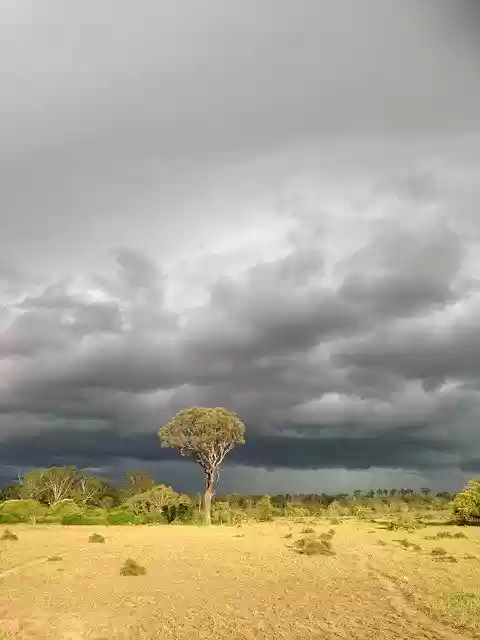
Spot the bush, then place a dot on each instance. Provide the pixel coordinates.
(120, 517)
(9, 518)
(439, 551)
(8, 535)
(80, 519)
(466, 504)
(312, 547)
(24, 510)
(308, 530)
(63, 508)
(264, 509)
(132, 568)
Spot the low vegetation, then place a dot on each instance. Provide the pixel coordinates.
(132, 568)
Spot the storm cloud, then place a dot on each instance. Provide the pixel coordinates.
(273, 208)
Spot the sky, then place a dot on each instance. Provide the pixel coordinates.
(269, 206)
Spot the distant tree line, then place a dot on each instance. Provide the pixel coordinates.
(206, 435)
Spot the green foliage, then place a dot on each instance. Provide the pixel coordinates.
(9, 518)
(132, 568)
(63, 508)
(264, 509)
(23, 510)
(137, 481)
(207, 435)
(221, 512)
(160, 504)
(466, 504)
(292, 512)
(50, 485)
(82, 519)
(124, 516)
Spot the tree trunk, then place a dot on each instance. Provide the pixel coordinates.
(208, 504)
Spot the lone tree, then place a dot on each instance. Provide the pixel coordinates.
(206, 435)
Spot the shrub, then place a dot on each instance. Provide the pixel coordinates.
(123, 516)
(404, 543)
(381, 543)
(9, 535)
(54, 559)
(292, 513)
(264, 509)
(459, 534)
(312, 547)
(63, 508)
(308, 530)
(132, 568)
(439, 551)
(466, 504)
(9, 518)
(96, 537)
(24, 510)
(81, 519)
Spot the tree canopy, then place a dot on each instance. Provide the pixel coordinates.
(207, 435)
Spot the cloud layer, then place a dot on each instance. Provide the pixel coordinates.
(251, 210)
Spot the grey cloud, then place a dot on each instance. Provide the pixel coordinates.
(140, 146)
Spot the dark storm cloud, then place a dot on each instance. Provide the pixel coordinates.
(397, 448)
(145, 152)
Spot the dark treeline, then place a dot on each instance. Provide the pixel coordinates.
(54, 484)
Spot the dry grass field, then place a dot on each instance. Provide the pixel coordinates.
(238, 583)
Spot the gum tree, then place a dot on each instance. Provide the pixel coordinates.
(206, 435)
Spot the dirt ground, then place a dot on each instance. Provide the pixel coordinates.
(237, 583)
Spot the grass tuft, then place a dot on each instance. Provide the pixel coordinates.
(55, 558)
(96, 537)
(9, 535)
(312, 547)
(132, 568)
(308, 530)
(439, 551)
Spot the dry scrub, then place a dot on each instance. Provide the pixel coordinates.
(202, 583)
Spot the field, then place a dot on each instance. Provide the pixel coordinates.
(238, 583)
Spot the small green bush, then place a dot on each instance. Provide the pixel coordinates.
(132, 568)
(9, 518)
(24, 510)
(80, 519)
(9, 535)
(96, 537)
(121, 517)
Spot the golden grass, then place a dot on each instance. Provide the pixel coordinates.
(210, 583)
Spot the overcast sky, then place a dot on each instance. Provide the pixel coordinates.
(267, 205)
